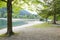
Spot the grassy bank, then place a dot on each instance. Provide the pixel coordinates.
(46, 25)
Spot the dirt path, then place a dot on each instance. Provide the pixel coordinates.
(36, 34)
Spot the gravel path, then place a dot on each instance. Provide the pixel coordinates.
(36, 34)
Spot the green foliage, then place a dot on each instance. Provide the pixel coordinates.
(2, 4)
(50, 8)
(58, 17)
(44, 13)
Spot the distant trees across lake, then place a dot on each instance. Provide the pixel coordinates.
(19, 14)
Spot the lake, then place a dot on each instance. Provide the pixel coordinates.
(3, 23)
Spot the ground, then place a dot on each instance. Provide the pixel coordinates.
(42, 31)
(35, 34)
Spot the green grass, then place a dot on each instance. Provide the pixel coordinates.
(45, 25)
(5, 35)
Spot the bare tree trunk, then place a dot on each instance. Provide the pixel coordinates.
(54, 19)
(9, 18)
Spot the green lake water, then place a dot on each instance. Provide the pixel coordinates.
(3, 23)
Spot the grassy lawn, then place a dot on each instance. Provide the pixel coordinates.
(46, 25)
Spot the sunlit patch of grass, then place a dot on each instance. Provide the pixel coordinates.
(45, 25)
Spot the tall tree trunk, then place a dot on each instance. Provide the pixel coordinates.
(54, 12)
(54, 19)
(9, 18)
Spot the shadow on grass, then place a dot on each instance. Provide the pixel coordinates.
(5, 35)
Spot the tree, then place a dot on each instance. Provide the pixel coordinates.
(53, 8)
(9, 17)
(56, 8)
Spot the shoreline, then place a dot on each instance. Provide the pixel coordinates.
(17, 28)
